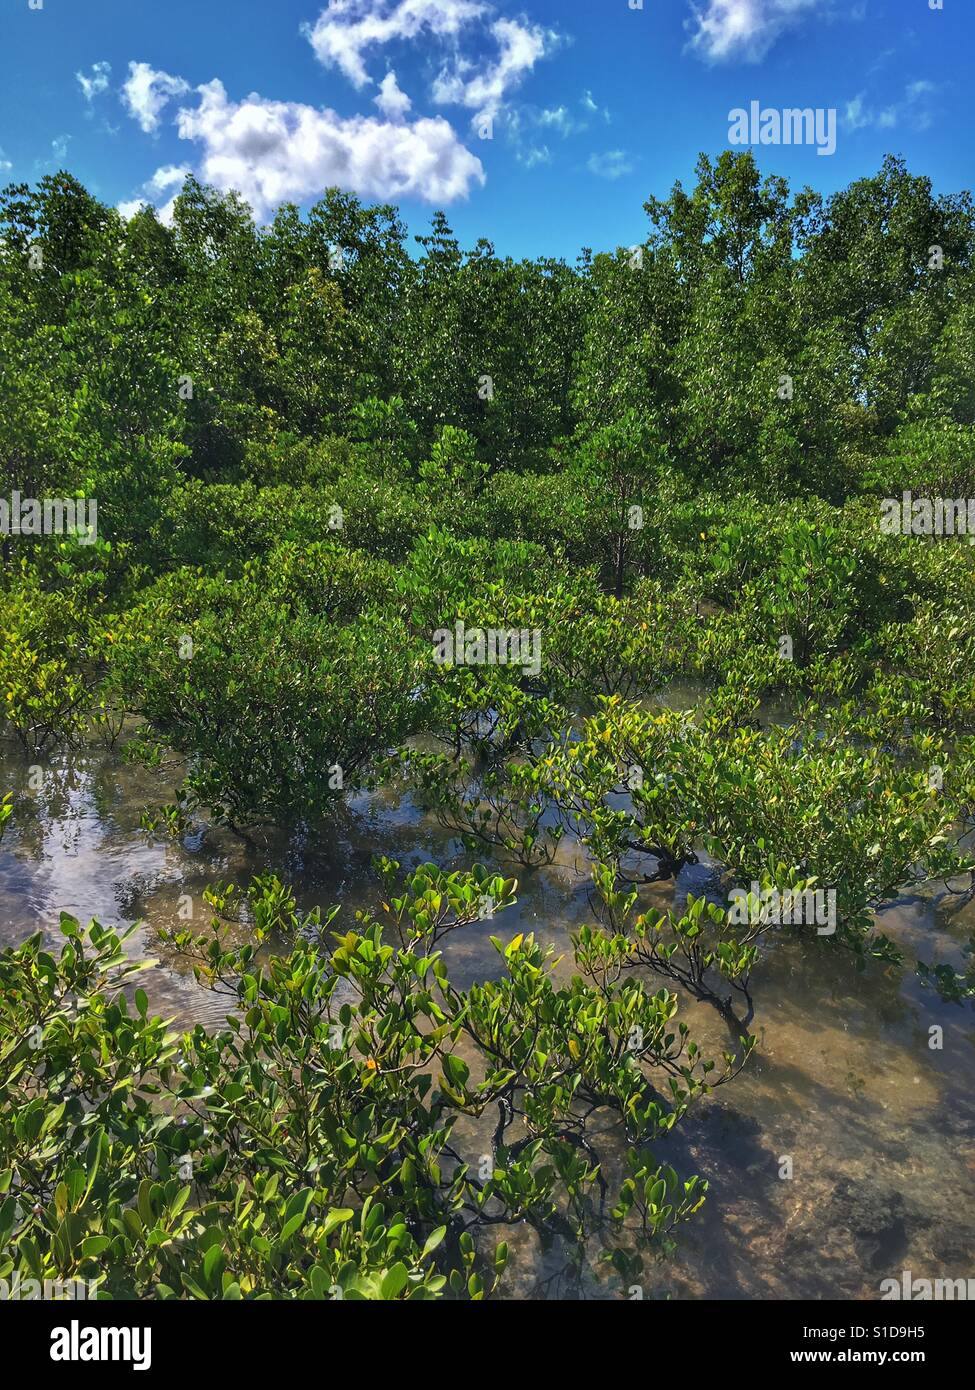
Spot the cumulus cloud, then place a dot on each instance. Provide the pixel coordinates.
(278, 151)
(347, 29)
(170, 176)
(146, 92)
(97, 82)
(743, 29)
(392, 102)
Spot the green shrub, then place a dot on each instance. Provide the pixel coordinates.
(369, 1143)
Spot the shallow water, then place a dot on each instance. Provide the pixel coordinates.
(880, 1127)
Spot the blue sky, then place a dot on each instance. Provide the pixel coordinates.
(590, 105)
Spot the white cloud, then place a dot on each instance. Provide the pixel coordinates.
(856, 117)
(58, 155)
(520, 46)
(391, 101)
(859, 116)
(97, 83)
(344, 31)
(589, 104)
(559, 118)
(744, 29)
(536, 154)
(614, 164)
(914, 108)
(146, 92)
(277, 151)
(564, 121)
(169, 176)
(528, 128)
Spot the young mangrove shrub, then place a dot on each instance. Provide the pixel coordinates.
(811, 806)
(48, 658)
(280, 706)
(360, 1127)
(700, 949)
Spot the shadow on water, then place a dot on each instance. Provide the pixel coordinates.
(876, 1126)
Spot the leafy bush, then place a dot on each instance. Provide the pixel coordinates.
(363, 1143)
(280, 705)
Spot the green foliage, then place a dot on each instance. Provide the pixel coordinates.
(281, 697)
(48, 658)
(313, 1147)
(668, 463)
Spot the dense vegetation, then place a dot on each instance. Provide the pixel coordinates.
(313, 452)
